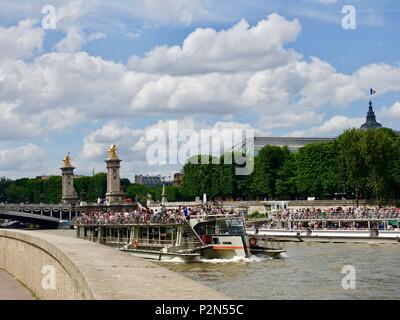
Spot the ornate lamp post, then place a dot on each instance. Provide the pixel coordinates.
(68, 192)
(114, 194)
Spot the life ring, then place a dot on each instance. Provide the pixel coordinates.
(135, 244)
(253, 241)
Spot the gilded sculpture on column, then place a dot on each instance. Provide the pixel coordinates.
(67, 160)
(112, 152)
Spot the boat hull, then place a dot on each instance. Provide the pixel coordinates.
(223, 252)
(155, 255)
(333, 236)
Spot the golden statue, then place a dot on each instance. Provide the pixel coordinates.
(112, 152)
(67, 160)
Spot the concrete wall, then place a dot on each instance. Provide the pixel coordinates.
(87, 270)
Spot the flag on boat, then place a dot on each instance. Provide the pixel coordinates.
(372, 91)
(140, 206)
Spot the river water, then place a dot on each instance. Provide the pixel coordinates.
(309, 271)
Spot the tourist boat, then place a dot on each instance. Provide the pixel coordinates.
(370, 230)
(166, 238)
(9, 224)
(224, 237)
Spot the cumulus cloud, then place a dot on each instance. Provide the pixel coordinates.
(392, 112)
(329, 128)
(221, 74)
(389, 116)
(76, 86)
(21, 41)
(240, 48)
(13, 125)
(68, 16)
(164, 11)
(28, 157)
(289, 120)
(133, 143)
(73, 41)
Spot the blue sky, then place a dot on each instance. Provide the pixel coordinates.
(112, 71)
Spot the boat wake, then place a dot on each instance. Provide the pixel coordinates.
(250, 259)
(284, 255)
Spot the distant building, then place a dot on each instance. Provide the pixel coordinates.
(43, 177)
(293, 143)
(46, 177)
(370, 122)
(177, 179)
(150, 181)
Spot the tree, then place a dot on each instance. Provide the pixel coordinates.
(267, 163)
(353, 163)
(97, 187)
(137, 191)
(286, 184)
(380, 152)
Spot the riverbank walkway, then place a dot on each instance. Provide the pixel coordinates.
(87, 270)
(12, 289)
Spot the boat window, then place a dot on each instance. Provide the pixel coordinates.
(230, 226)
(168, 233)
(215, 240)
(163, 234)
(156, 235)
(143, 233)
(227, 242)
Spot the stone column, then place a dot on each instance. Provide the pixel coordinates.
(114, 194)
(68, 192)
(163, 195)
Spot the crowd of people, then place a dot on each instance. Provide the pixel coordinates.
(183, 213)
(340, 213)
(148, 215)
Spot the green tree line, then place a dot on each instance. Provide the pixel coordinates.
(87, 188)
(359, 163)
(362, 164)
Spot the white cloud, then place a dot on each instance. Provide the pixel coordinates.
(243, 70)
(96, 36)
(240, 48)
(68, 17)
(59, 90)
(20, 41)
(14, 126)
(163, 11)
(289, 120)
(392, 112)
(73, 41)
(329, 128)
(132, 144)
(325, 1)
(28, 158)
(133, 35)
(389, 117)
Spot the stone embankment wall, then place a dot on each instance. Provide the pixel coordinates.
(63, 267)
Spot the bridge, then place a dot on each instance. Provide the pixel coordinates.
(45, 215)
(43, 221)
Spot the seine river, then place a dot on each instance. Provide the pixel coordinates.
(309, 271)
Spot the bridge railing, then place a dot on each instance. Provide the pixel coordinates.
(60, 211)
